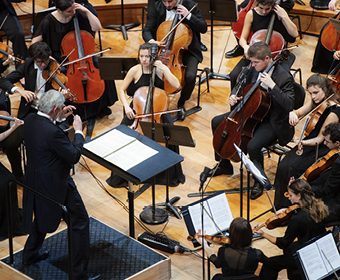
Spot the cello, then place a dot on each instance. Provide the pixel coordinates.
(330, 38)
(171, 54)
(83, 77)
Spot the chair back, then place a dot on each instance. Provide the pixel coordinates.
(300, 93)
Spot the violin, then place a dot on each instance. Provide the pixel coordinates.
(329, 37)
(171, 54)
(279, 219)
(58, 79)
(4, 53)
(217, 239)
(314, 171)
(83, 77)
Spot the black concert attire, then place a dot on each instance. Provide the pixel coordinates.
(48, 172)
(327, 187)
(176, 175)
(192, 56)
(301, 227)
(275, 126)
(12, 27)
(293, 165)
(53, 32)
(262, 22)
(235, 262)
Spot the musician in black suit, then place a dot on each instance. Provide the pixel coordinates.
(10, 24)
(278, 84)
(158, 12)
(50, 156)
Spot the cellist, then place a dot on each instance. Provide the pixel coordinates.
(278, 84)
(158, 12)
(258, 18)
(138, 77)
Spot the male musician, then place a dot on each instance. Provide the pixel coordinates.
(258, 18)
(158, 12)
(278, 84)
(10, 24)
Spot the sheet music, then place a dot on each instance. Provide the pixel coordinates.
(217, 214)
(328, 246)
(120, 149)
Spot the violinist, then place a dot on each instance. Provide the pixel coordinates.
(158, 12)
(305, 224)
(258, 18)
(12, 27)
(238, 257)
(311, 147)
(136, 78)
(278, 84)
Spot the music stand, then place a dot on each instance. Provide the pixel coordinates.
(219, 10)
(115, 68)
(122, 27)
(170, 135)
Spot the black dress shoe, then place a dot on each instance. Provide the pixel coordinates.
(43, 256)
(203, 47)
(237, 51)
(219, 171)
(95, 277)
(256, 191)
(116, 182)
(181, 114)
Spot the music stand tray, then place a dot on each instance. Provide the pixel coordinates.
(115, 68)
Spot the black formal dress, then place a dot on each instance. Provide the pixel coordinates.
(192, 56)
(12, 27)
(50, 156)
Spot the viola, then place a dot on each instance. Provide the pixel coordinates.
(279, 219)
(4, 53)
(217, 239)
(240, 124)
(171, 54)
(238, 25)
(329, 37)
(314, 171)
(5, 118)
(83, 77)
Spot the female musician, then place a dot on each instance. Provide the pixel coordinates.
(139, 76)
(305, 223)
(5, 178)
(258, 18)
(312, 147)
(158, 12)
(52, 30)
(237, 257)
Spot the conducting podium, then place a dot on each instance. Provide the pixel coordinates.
(131, 156)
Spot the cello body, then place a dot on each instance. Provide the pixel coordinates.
(83, 77)
(238, 25)
(329, 37)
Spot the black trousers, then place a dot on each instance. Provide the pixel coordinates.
(15, 33)
(80, 236)
(191, 64)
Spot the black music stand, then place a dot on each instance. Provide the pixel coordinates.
(122, 27)
(219, 10)
(115, 68)
(142, 172)
(170, 135)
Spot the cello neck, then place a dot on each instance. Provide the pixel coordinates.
(78, 37)
(170, 39)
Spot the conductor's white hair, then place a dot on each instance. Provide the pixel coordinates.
(49, 100)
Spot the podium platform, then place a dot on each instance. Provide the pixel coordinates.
(113, 254)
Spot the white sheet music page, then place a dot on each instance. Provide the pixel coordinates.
(328, 246)
(217, 214)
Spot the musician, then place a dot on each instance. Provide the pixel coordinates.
(305, 223)
(158, 12)
(279, 86)
(312, 147)
(12, 27)
(137, 77)
(48, 172)
(237, 258)
(52, 30)
(258, 18)
(333, 5)
(5, 178)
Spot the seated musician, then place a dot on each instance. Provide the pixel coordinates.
(237, 257)
(52, 30)
(258, 18)
(158, 12)
(278, 84)
(12, 27)
(137, 78)
(312, 147)
(304, 224)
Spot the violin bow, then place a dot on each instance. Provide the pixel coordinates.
(317, 107)
(178, 23)
(87, 56)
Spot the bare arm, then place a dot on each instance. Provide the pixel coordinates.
(9, 131)
(287, 22)
(246, 31)
(93, 20)
(166, 73)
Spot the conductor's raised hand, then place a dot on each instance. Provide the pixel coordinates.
(77, 123)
